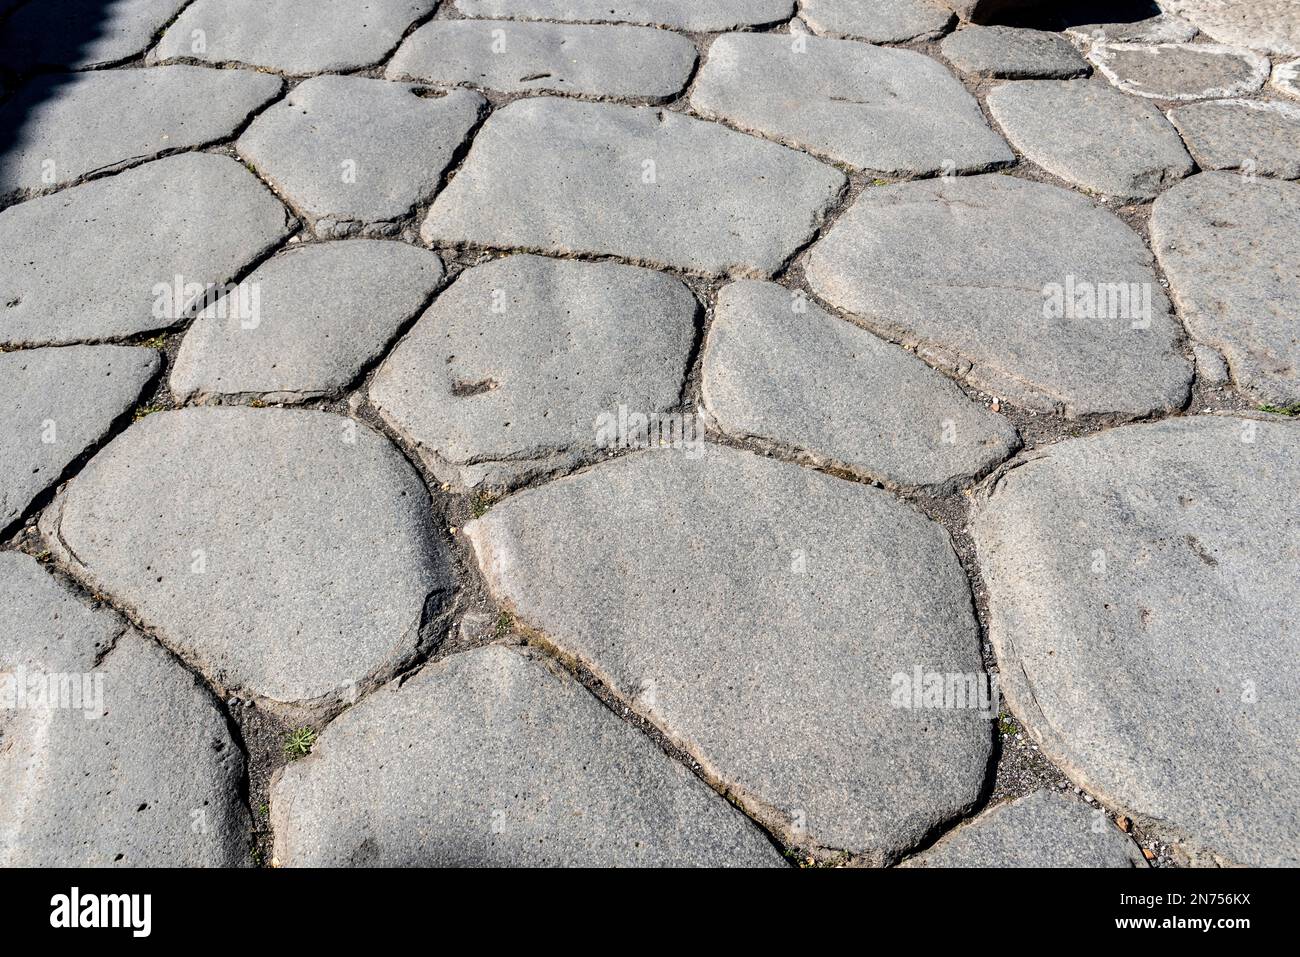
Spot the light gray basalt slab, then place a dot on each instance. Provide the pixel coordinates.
(78, 34)
(1091, 135)
(1253, 136)
(55, 404)
(896, 112)
(1226, 242)
(760, 614)
(1143, 586)
(699, 16)
(355, 155)
(510, 371)
(1180, 71)
(649, 185)
(1286, 78)
(894, 22)
(989, 278)
(113, 257)
(616, 61)
(1269, 26)
(780, 368)
(1013, 53)
(306, 322)
(296, 565)
(497, 758)
(1162, 28)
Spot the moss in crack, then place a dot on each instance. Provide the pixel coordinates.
(298, 743)
(1288, 410)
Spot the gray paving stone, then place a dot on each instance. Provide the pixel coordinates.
(196, 216)
(81, 33)
(56, 403)
(701, 16)
(309, 321)
(1013, 53)
(492, 758)
(1039, 830)
(758, 612)
(1286, 78)
(618, 61)
(646, 184)
(1270, 26)
(1142, 591)
(1162, 28)
(46, 627)
(896, 112)
(1210, 366)
(893, 22)
(780, 368)
(989, 277)
(508, 373)
(296, 37)
(354, 155)
(1091, 135)
(296, 566)
(1254, 136)
(1226, 244)
(1180, 71)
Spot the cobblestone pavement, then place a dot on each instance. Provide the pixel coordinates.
(711, 432)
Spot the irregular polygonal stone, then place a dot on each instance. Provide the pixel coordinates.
(701, 16)
(297, 37)
(1286, 77)
(1270, 26)
(1013, 53)
(56, 403)
(46, 627)
(1180, 71)
(561, 58)
(510, 371)
(113, 257)
(759, 613)
(1161, 28)
(779, 368)
(1093, 136)
(81, 33)
(1226, 242)
(1143, 586)
(1254, 136)
(355, 154)
(1026, 290)
(894, 22)
(1210, 366)
(893, 111)
(646, 184)
(296, 565)
(492, 758)
(319, 313)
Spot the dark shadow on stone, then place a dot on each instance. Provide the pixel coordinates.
(1047, 15)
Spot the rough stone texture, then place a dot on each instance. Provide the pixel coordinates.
(1227, 245)
(1210, 366)
(509, 371)
(811, 381)
(893, 22)
(1162, 28)
(647, 184)
(100, 121)
(1014, 54)
(354, 155)
(1254, 136)
(1093, 136)
(1040, 830)
(892, 111)
(490, 758)
(620, 61)
(962, 268)
(1286, 78)
(55, 404)
(700, 16)
(323, 312)
(317, 575)
(197, 216)
(1270, 26)
(1180, 71)
(81, 33)
(756, 611)
(1143, 586)
(296, 37)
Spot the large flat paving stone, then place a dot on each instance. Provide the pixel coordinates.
(496, 758)
(785, 370)
(616, 61)
(894, 22)
(510, 371)
(1254, 136)
(296, 566)
(354, 155)
(897, 112)
(1143, 586)
(757, 612)
(1269, 26)
(114, 257)
(645, 184)
(309, 320)
(1162, 28)
(1093, 136)
(1226, 243)
(1180, 71)
(702, 16)
(1013, 53)
(56, 403)
(79, 34)
(1026, 290)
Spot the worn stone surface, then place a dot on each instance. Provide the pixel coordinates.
(989, 277)
(1180, 71)
(1286, 78)
(693, 15)
(1093, 136)
(308, 321)
(195, 216)
(1269, 26)
(81, 33)
(649, 185)
(1226, 244)
(1210, 366)
(1145, 625)
(1013, 53)
(495, 758)
(617, 61)
(894, 22)
(1162, 28)
(1254, 136)
(896, 112)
